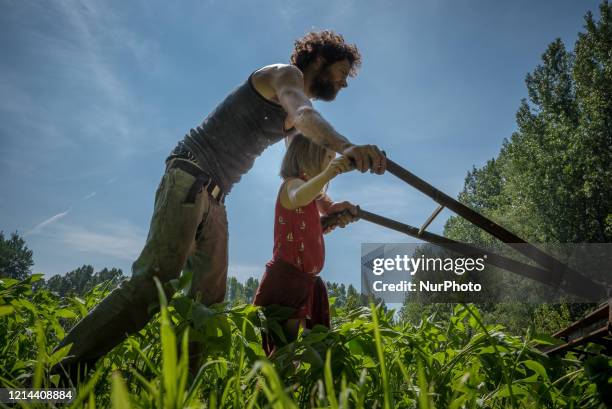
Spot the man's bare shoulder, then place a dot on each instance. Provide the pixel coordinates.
(267, 78)
(276, 71)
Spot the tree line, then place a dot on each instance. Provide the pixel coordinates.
(16, 261)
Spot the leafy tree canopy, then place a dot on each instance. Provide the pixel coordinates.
(15, 257)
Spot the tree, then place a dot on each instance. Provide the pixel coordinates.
(250, 288)
(338, 291)
(114, 275)
(235, 291)
(550, 182)
(15, 257)
(238, 293)
(82, 280)
(353, 299)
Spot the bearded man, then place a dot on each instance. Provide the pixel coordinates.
(188, 230)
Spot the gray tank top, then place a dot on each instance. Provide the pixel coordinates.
(234, 134)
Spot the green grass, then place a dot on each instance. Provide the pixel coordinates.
(367, 360)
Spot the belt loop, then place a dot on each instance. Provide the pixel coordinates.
(215, 192)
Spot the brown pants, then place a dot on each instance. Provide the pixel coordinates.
(185, 235)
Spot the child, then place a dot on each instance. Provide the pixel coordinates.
(291, 277)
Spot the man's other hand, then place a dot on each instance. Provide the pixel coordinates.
(367, 157)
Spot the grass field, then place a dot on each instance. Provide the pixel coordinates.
(368, 360)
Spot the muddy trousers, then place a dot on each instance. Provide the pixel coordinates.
(188, 232)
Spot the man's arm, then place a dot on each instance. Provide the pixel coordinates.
(288, 84)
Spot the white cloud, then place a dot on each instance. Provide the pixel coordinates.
(89, 196)
(118, 239)
(38, 228)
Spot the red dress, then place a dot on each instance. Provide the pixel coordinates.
(298, 236)
(291, 277)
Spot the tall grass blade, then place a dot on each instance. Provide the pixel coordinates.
(119, 393)
(381, 358)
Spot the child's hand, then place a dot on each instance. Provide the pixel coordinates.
(339, 214)
(338, 165)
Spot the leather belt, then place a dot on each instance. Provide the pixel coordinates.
(202, 180)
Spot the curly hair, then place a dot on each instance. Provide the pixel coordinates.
(329, 45)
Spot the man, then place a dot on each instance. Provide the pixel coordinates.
(188, 229)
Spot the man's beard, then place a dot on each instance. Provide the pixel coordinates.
(323, 89)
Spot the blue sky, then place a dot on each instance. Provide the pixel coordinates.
(93, 96)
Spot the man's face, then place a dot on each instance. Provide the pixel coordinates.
(329, 80)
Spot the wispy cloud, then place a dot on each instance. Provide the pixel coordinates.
(101, 35)
(38, 228)
(85, 53)
(89, 196)
(118, 239)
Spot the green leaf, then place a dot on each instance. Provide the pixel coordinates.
(278, 312)
(517, 390)
(183, 305)
(36, 277)
(6, 309)
(59, 354)
(64, 313)
(314, 337)
(185, 281)
(201, 315)
(354, 345)
(537, 368)
(544, 339)
(8, 282)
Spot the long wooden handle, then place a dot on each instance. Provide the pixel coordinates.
(571, 277)
(582, 288)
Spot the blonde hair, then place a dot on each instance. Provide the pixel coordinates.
(302, 156)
